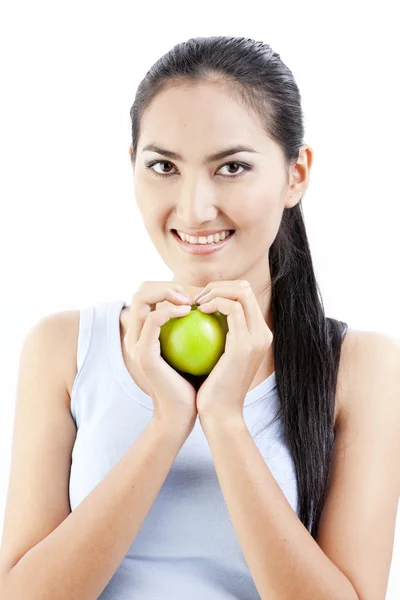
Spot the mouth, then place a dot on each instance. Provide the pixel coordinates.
(202, 248)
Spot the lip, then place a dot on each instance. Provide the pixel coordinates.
(201, 248)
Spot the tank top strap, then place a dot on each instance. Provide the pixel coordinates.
(93, 320)
(85, 330)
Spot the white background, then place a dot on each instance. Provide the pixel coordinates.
(70, 232)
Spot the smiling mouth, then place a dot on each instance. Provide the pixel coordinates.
(175, 233)
(202, 249)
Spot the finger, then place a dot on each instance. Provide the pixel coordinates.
(145, 300)
(244, 295)
(149, 338)
(155, 291)
(163, 303)
(212, 284)
(234, 313)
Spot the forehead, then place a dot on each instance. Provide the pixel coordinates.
(207, 112)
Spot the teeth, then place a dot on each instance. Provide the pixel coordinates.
(210, 239)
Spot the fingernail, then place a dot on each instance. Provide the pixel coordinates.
(203, 307)
(184, 309)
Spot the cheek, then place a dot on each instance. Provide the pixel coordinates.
(261, 208)
(153, 210)
(155, 221)
(146, 195)
(261, 218)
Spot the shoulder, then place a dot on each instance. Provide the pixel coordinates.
(369, 364)
(61, 331)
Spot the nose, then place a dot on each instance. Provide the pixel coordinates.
(196, 204)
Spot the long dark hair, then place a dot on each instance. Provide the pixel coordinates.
(307, 344)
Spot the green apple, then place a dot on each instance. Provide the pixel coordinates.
(194, 343)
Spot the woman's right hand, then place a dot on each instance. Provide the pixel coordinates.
(174, 398)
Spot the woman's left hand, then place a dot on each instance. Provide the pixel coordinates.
(222, 394)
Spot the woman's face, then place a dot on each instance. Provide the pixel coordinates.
(192, 194)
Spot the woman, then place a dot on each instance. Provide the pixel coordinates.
(171, 489)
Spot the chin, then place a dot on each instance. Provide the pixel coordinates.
(202, 277)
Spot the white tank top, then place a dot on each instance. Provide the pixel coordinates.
(187, 545)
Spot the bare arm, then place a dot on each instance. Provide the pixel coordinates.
(49, 552)
(78, 559)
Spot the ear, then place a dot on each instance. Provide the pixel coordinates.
(130, 152)
(299, 176)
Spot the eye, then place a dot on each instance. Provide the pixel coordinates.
(244, 166)
(237, 164)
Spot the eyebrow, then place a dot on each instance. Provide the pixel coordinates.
(213, 157)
